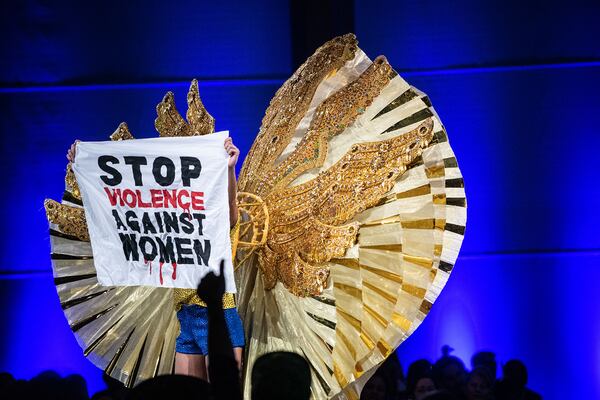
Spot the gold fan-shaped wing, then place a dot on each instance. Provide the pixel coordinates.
(366, 212)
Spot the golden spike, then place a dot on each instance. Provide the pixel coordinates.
(169, 122)
(121, 133)
(201, 122)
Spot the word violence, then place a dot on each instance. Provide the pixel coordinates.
(157, 198)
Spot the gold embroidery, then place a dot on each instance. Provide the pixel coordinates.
(308, 222)
(287, 108)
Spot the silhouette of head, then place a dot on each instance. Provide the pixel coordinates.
(416, 371)
(375, 389)
(479, 384)
(514, 374)
(281, 375)
(449, 373)
(424, 387)
(74, 387)
(171, 387)
(485, 359)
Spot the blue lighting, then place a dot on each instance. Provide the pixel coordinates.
(516, 87)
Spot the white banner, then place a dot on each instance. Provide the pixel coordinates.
(157, 210)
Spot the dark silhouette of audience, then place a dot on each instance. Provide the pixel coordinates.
(284, 375)
(448, 378)
(47, 385)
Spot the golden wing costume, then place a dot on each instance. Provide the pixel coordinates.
(352, 214)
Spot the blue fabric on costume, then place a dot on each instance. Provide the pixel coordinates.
(193, 336)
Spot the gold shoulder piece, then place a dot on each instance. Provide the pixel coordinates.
(70, 220)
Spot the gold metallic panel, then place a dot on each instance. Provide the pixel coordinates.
(414, 290)
(436, 171)
(347, 262)
(351, 290)
(401, 321)
(384, 274)
(387, 247)
(376, 316)
(367, 340)
(353, 321)
(425, 307)
(419, 224)
(420, 261)
(389, 297)
(346, 341)
(418, 191)
(339, 376)
(384, 348)
(439, 198)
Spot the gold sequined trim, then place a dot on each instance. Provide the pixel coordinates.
(189, 296)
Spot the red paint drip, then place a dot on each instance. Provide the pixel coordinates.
(150, 267)
(160, 271)
(174, 271)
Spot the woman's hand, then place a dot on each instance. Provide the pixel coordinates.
(72, 151)
(233, 152)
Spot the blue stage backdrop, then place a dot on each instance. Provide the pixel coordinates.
(517, 86)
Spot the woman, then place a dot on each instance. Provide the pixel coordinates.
(192, 342)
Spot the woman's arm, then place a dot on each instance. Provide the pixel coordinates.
(234, 154)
